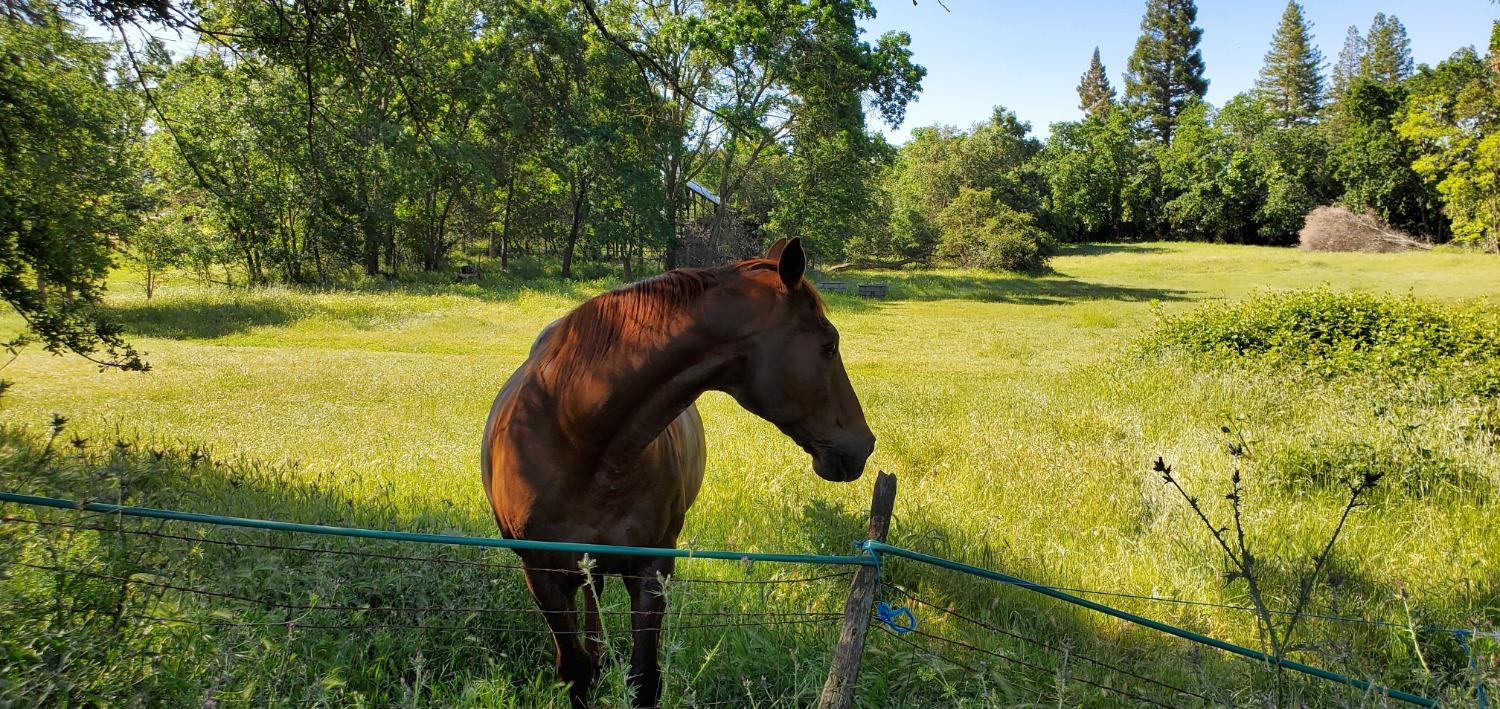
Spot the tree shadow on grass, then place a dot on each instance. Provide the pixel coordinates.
(1052, 289)
(524, 276)
(1031, 640)
(1103, 248)
(496, 286)
(177, 614)
(201, 318)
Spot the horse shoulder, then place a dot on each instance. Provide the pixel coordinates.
(506, 393)
(692, 451)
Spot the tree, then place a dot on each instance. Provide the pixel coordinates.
(1290, 167)
(1453, 115)
(1101, 180)
(740, 78)
(1351, 57)
(981, 232)
(1214, 186)
(1387, 51)
(997, 156)
(832, 71)
(1095, 95)
(67, 183)
(1166, 69)
(1292, 78)
(1373, 165)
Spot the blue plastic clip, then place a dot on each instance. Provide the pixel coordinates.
(893, 617)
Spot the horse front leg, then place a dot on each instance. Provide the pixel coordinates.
(555, 593)
(648, 603)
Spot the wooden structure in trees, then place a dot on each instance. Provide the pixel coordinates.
(711, 234)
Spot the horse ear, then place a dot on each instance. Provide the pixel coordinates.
(774, 253)
(792, 263)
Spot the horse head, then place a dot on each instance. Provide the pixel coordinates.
(791, 371)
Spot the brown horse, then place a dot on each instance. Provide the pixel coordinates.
(596, 439)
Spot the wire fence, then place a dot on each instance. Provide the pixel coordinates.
(1044, 670)
(1062, 652)
(212, 597)
(1280, 664)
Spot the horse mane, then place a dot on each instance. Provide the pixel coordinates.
(643, 311)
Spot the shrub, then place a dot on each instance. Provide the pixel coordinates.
(980, 232)
(1331, 332)
(1339, 229)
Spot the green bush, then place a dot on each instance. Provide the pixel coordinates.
(980, 232)
(1333, 332)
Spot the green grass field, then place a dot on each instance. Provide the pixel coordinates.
(1016, 411)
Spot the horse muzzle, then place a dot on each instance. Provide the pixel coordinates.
(843, 463)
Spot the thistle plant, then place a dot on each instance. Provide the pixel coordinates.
(1244, 565)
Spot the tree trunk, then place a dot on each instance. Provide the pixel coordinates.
(672, 188)
(391, 255)
(371, 232)
(510, 192)
(580, 208)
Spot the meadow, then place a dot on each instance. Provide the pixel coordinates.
(1022, 415)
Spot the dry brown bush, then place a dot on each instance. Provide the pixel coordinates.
(1339, 229)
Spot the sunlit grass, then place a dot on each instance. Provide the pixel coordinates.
(1021, 427)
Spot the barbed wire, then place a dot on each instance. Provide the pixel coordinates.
(270, 604)
(399, 557)
(1251, 609)
(1036, 667)
(1070, 652)
(929, 652)
(294, 625)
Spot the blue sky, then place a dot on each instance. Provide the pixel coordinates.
(1027, 55)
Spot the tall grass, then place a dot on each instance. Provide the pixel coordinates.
(1017, 412)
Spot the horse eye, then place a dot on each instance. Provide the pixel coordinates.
(831, 349)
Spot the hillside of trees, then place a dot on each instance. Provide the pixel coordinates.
(318, 141)
(1418, 146)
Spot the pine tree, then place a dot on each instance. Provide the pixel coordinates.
(1095, 95)
(1351, 57)
(1292, 79)
(1494, 55)
(1387, 56)
(1166, 70)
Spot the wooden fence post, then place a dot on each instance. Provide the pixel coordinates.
(838, 691)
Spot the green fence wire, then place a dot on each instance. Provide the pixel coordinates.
(458, 540)
(880, 547)
(873, 550)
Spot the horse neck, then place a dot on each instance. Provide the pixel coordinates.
(661, 354)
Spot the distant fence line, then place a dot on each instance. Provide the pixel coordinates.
(856, 616)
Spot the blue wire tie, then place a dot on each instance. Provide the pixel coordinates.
(893, 617)
(1479, 690)
(897, 618)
